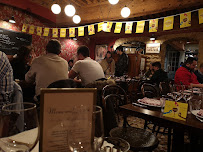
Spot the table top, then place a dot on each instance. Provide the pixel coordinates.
(155, 115)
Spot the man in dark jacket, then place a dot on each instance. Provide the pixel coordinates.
(159, 74)
(122, 64)
(199, 73)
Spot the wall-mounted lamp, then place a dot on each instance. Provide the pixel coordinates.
(12, 20)
(152, 38)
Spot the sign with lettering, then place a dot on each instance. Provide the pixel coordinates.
(11, 41)
(59, 110)
(176, 110)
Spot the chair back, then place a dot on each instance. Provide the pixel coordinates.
(66, 83)
(149, 90)
(115, 89)
(165, 87)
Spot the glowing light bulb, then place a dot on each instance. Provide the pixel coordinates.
(113, 2)
(76, 19)
(69, 10)
(125, 12)
(56, 9)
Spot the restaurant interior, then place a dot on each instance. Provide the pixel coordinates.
(38, 22)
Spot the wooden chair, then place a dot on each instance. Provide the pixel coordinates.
(139, 139)
(149, 90)
(165, 87)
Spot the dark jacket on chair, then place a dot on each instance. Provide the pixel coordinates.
(159, 76)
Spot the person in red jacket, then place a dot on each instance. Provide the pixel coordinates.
(185, 74)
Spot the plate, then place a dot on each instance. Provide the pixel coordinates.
(194, 112)
(139, 101)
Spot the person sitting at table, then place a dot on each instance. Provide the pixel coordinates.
(6, 80)
(185, 74)
(159, 74)
(108, 64)
(199, 73)
(20, 63)
(149, 72)
(89, 70)
(70, 64)
(47, 68)
(122, 63)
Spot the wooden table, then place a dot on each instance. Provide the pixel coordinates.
(156, 116)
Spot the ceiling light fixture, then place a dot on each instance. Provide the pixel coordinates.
(113, 2)
(69, 10)
(56, 9)
(125, 12)
(12, 20)
(152, 38)
(76, 19)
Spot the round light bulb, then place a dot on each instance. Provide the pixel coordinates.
(69, 10)
(76, 19)
(56, 9)
(125, 12)
(104, 26)
(113, 2)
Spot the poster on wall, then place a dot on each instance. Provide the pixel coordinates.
(100, 52)
(153, 48)
(11, 41)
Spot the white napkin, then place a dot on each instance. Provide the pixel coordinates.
(106, 144)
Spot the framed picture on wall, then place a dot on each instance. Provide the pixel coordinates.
(153, 48)
(100, 52)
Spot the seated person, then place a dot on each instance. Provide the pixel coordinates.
(199, 73)
(150, 71)
(88, 69)
(20, 63)
(70, 65)
(6, 80)
(108, 64)
(47, 68)
(185, 74)
(159, 74)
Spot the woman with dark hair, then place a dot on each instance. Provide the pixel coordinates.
(108, 64)
(20, 62)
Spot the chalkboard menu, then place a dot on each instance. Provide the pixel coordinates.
(11, 41)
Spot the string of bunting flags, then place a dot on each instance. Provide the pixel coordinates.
(185, 21)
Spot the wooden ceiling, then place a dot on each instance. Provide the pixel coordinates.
(92, 11)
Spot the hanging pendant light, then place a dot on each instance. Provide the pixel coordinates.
(56, 9)
(125, 12)
(12, 20)
(76, 19)
(69, 10)
(113, 2)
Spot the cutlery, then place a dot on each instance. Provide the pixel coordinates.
(136, 104)
(199, 119)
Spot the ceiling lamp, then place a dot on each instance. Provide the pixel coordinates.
(113, 2)
(125, 12)
(76, 19)
(69, 10)
(56, 9)
(12, 20)
(152, 38)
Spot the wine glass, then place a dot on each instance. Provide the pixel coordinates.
(19, 127)
(177, 92)
(86, 133)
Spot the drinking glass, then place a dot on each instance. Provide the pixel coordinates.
(86, 132)
(19, 127)
(194, 104)
(177, 92)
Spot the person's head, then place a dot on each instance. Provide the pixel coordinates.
(119, 50)
(191, 63)
(108, 55)
(201, 68)
(54, 46)
(83, 52)
(24, 53)
(70, 63)
(156, 66)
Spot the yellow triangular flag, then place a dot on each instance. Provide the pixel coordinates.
(91, 29)
(63, 32)
(32, 29)
(118, 27)
(54, 32)
(71, 32)
(168, 23)
(128, 27)
(39, 31)
(81, 31)
(140, 26)
(108, 26)
(185, 19)
(24, 29)
(46, 31)
(200, 16)
(100, 26)
(153, 25)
